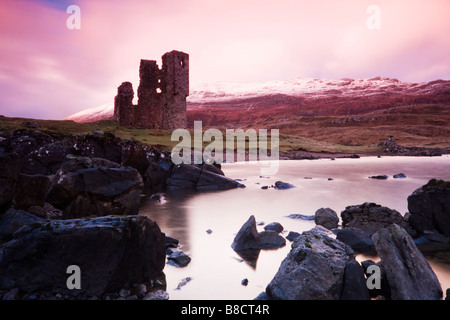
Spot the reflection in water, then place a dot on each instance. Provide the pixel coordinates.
(250, 257)
(206, 223)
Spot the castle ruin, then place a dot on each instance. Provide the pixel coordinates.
(161, 95)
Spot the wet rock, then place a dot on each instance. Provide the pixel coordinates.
(380, 177)
(326, 217)
(247, 238)
(192, 177)
(408, 273)
(86, 187)
(370, 217)
(358, 239)
(429, 207)
(283, 185)
(244, 282)
(301, 216)
(399, 176)
(171, 242)
(179, 258)
(313, 270)
(112, 252)
(274, 226)
(270, 240)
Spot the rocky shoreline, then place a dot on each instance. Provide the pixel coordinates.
(388, 147)
(321, 264)
(74, 201)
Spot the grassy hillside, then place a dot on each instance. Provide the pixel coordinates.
(412, 126)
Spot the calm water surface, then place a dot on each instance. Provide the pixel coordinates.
(217, 271)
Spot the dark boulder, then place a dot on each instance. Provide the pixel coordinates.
(198, 178)
(283, 185)
(354, 287)
(179, 258)
(313, 270)
(85, 187)
(274, 226)
(327, 218)
(269, 239)
(111, 252)
(380, 177)
(408, 273)
(31, 190)
(371, 217)
(358, 239)
(39, 152)
(247, 237)
(429, 207)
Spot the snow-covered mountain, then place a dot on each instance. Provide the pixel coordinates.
(303, 96)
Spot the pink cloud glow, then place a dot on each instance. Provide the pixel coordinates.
(48, 71)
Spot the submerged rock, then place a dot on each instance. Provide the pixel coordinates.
(199, 178)
(283, 185)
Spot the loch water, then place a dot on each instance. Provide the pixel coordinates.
(205, 223)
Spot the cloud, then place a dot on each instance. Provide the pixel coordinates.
(48, 71)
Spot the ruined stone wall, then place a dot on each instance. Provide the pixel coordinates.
(161, 95)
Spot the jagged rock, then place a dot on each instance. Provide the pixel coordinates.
(408, 273)
(371, 217)
(112, 253)
(31, 190)
(247, 238)
(399, 176)
(429, 207)
(326, 217)
(313, 270)
(85, 187)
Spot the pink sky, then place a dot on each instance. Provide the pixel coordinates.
(48, 71)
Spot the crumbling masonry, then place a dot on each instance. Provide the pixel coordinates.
(161, 95)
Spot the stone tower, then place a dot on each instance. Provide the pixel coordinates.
(161, 95)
